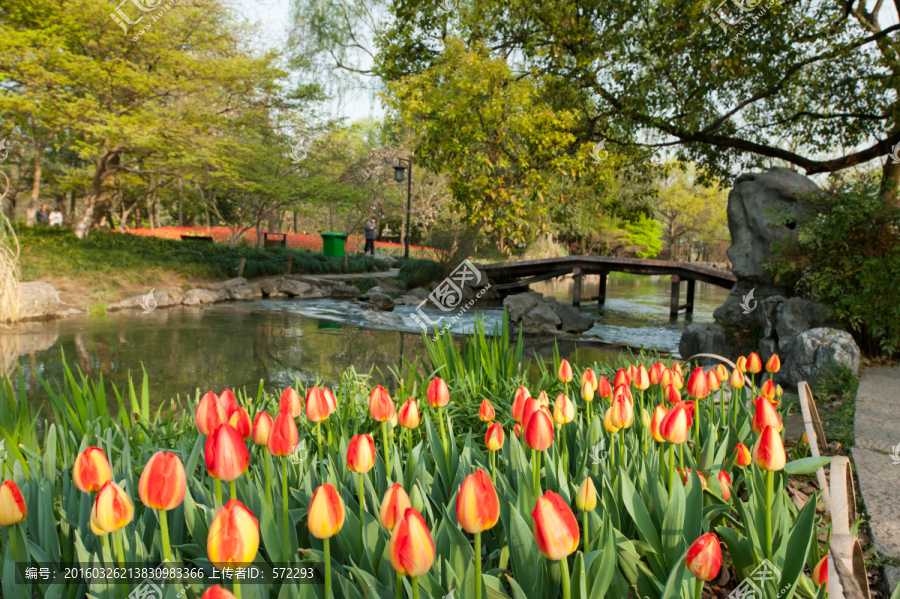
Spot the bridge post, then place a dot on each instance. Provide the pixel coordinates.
(673, 301)
(576, 291)
(689, 306)
(601, 294)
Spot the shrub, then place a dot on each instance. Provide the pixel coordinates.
(418, 272)
(847, 255)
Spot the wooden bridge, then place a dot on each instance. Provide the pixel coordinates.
(518, 275)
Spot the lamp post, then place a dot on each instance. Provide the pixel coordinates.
(399, 170)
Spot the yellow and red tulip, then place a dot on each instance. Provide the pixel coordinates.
(754, 364)
(290, 402)
(741, 364)
(564, 373)
(604, 388)
(381, 407)
(641, 378)
(438, 394)
(698, 384)
(517, 430)
(677, 380)
(12, 504)
(607, 422)
(162, 482)
(112, 509)
(531, 406)
(743, 458)
(326, 512)
(676, 424)
(543, 399)
(713, 379)
(589, 376)
(658, 414)
(262, 426)
(216, 592)
(725, 481)
(737, 379)
(318, 406)
(393, 506)
(621, 412)
(361, 453)
(477, 505)
(768, 451)
(773, 364)
(411, 548)
(486, 411)
(91, 470)
(704, 557)
(765, 415)
(519, 403)
(556, 531)
(409, 414)
(228, 402)
(767, 390)
(656, 372)
(538, 433)
(587, 391)
(209, 414)
(632, 372)
(563, 409)
(673, 395)
(240, 420)
(721, 372)
(283, 438)
(493, 439)
(225, 454)
(820, 573)
(586, 498)
(233, 538)
(622, 379)
(676, 368)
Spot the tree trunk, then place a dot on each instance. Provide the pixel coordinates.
(32, 208)
(330, 218)
(180, 202)
(207, 220)
(98, 198)
(295, 222)
(890, 181)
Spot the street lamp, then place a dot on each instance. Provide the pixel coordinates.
(399, 172)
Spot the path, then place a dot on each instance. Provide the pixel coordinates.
(877, 432)
(388, 274)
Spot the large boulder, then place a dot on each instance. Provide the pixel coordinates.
(541, 316)
(379, 300)
(199, 297)
(148, 302)
(571, 318)
(293, 288)
(811, 353)
(229, 283)
(704, 339)
(519, 305)
(267, 286)
(37, 301)
(242, 292)
(343, 291)
(418, 293)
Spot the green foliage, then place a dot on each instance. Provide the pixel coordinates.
(847, 256)
(418, 272)
(835, 394)
(644, 232)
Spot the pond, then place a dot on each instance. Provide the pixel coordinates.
(240, 343)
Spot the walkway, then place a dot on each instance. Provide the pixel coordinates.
(876, 433)
(388, 274)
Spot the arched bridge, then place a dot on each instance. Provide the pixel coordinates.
(516, 275)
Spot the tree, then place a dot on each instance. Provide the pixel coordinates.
(693, 216)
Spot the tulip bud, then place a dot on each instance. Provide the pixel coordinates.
(531, 406)
(768, 452)
(765, 415)
(658, 414)
(737, 379)
(162, 482)
(283, 438)
(773, 364)
(361, 453)
(621, 413)
(677, 380)
(262, 426)
(519, 403)
(622, 379)
(517, 430)
(586, 498)
(721, 372)
(416, 499)
(589, 376)
(641, 378)
(676, 368)
(563, 410)
(411, 549)
(330, 398)
(754, 364)
(290, 402)
(318, 406)
(217, 592)
(228, 402)
(225, 453)
(326, 512)
(381, 407)
(587, 391)
(233, 538)
(698, 384)
(240, 420)
(673, 396)
(538, 433)
(438, 394)
(820, 573)
(632, 373)
(713, 380)
(725, 481)
(477, 506)
(665, 378)
(209, 414)
(542, 399)
(12, 505)
(556, 531)
(778, 391)
(656, 372)
(565, 371)
(493, 439)
(676, 424)
(607, 422)
(704, 557)
(767, 390)
(112, 509)
(91, 470)
(646, 418)
(486, 412)
(685, 474)
(741, 364)
(409, 414)
(743, 455)
(604, 388)
(393, 506)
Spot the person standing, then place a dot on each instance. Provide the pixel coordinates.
(371, 234)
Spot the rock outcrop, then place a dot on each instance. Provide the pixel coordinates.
(200, 297)
(37, 301)
(537, 315)
(380, 301)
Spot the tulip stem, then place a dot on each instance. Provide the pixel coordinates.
(120, 546)
(164, 534)
(232, 488)
(564, 566)
(268, 480)
(284, 510)
(671, 466)
(588, 414)
(699, 588)
(536, 472)
(415, 586)
(387, 450)
(362, 536)
(770, 483)
(327, 551)
(584, 523)
(493, 459)
(622, 450)
(237, 590)
(722, 405)
(478, 565)
(399, 591)
(219, 492)
(319, 436)
(105, 540)
(681, 457)
(565, 456)
(444, 436)
(697, 441)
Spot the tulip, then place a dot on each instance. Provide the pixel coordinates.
(162, 487)
(604, 388)
(318, 405)
(754, 365)
(587, 394)
(564, 373)
(330, 398)
(438, 394)
(736, 382)
(493, 439)
(360, 459)
(586, 500)
(677, 380)
(381, 408)
(12, 506)
(665, 378)
(209, 414)
(240, 420)
(542, 399)
(217, 592)
(820, 573)
(225, 454)
(519, 402)
(486, 412)
(233, 538)
(677, 368)
(411, 549)
(416, 499)
(607, 422)
(646, 419)
(91, 470)
(725, 481)
(778, 392)
(715, 385)
(622, 379)
(768, 454)
(685, 474)
(290, 402)
(765, 415)
(112, 511)
(773, 364)
(325, 519)
(673, 396)
(737, 379)
(721, 372)
(409, 414)
(743, 458)
(538, 436)
(632, 372)
(556, 533)
(589, 376)
(741, 363)
(393, 506)
(674, 428)
(656, 372)
(477, 510)
(767, 390)
(623, 392)
(698, 384)
(283, 441)
(704, 559)
(517, 430)
(228, 402)
(658, 414)
(641, 378)
(563, 410)
(621, 413)
(531, 406)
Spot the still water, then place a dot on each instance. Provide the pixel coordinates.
(238, 344)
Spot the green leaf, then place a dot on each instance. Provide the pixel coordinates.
(673, 525)
(806, 465)
(602, 569)
(675, 582)
(50, 455)
(638, 511)
(578, 584)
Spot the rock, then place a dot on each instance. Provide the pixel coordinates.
(147, 302)
(571, 318)
(704, 339)
(69, 312)
(541, 316)
(375, 289)
(293, 288)
(343, 291)
(199, 297)
(379, 300)
(229, 283)
(241, 292)
(811, 352)
(267, 286)
(795, 316)
(37, 301)
(176, 294)
(388, 260)
(519, 305)
(418, 293)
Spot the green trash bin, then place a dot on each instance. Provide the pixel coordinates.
(333, 244)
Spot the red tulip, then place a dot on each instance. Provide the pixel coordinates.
(477, 506)
(539, 431)
(12, 505)
(486, 412)
(290, 402)
(284, 438)
(698, 384)
(555, 527)
(658, 414)
(773, 364)
(217, 592)
(228, 403)
(622, 379)
(91, 470)
(604, 389)
(625, 393)
(673, 396)
(209, 414)
(519, 403)
(330, 398)
(517, 430)
(820, 573)
(262, 426)
(765, 415)
(754, 364)
(411, 549)
(565, 371)
(240, 420)
(743, 455)
(393, 506)
(589, 376)
(438, 394)
(704, 557)
(713, 380)
(409, 414)
(725, 481)
(361, 453)
(632, 372)
(494, 437)
(641, 378)
(381, 407)
(685, 474)
(326, 512)
(318, 406)
(531, 406)
(225, 453)
(691, 408)
(768, 452)
(656, 372)
(233, 538)
(163, 482)
(676, 424)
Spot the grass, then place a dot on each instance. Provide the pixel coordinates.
(417, 272)
(97, 309)
(835, 394)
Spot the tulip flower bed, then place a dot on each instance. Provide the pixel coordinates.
(586, 483)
